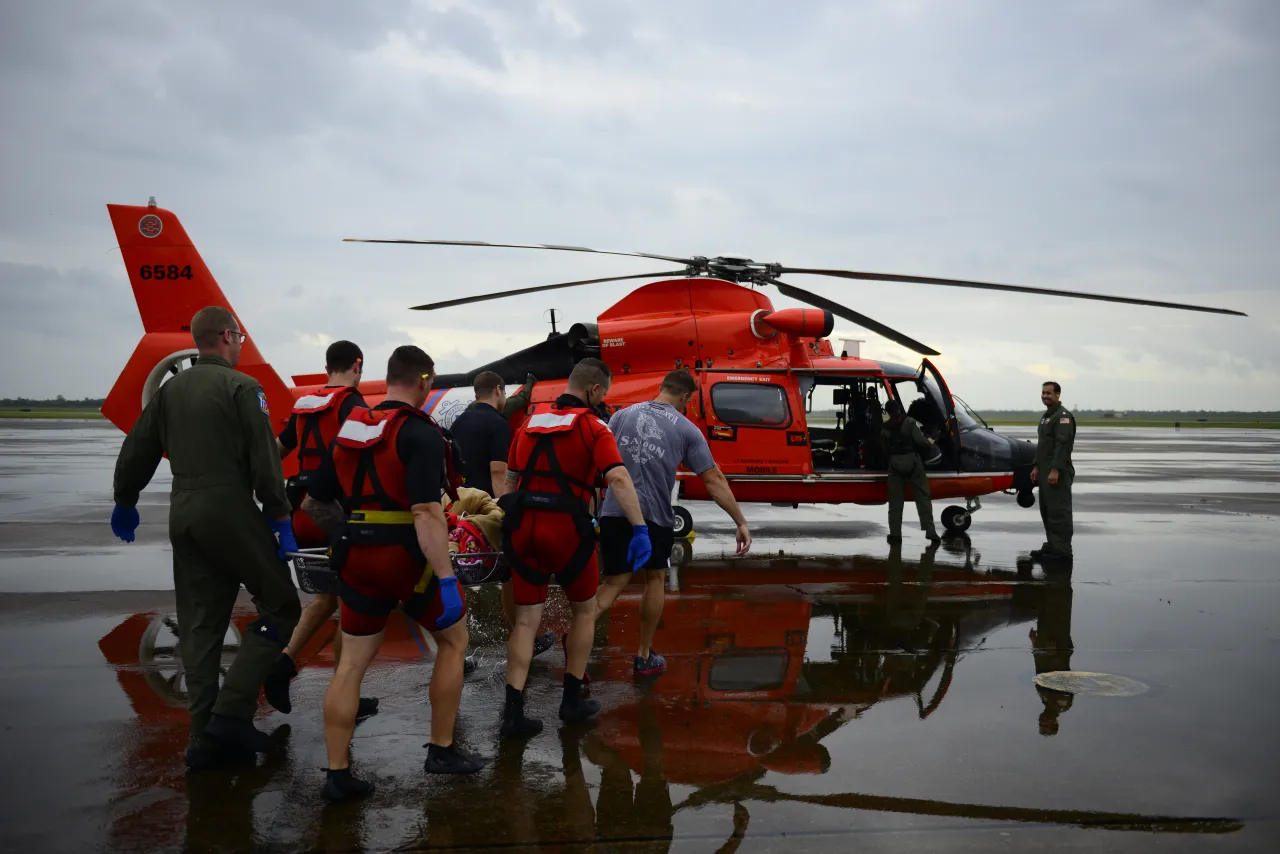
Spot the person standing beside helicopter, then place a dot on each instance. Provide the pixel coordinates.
(1055, 438)
(903, 442)
(655, 438)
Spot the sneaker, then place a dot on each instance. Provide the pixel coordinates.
(544, 642)
(368, 706)
(649, 666)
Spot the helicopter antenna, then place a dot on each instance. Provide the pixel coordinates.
(552, 312)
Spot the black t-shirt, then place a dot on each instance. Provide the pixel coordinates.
(483, 436)
(289, 435)
(420, 448)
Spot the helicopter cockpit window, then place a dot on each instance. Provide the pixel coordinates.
(751, 404)
(969, 420)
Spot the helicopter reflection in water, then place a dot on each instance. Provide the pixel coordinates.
(767, 657)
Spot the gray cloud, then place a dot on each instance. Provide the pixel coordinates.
(1124, 148)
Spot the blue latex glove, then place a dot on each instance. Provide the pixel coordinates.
(284, 531)
(640, 549)
(124, 521)
(451, 599)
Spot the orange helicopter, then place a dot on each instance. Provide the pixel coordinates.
(757, 367)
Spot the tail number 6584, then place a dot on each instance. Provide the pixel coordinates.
(161, 271)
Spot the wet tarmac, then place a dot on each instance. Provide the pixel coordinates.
(827, 692)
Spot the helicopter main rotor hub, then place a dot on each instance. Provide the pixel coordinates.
(733, 268)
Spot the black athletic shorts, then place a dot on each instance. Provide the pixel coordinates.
(615, 537)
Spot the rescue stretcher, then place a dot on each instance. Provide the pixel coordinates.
(315, 575)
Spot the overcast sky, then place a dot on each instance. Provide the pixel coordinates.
(1129, 148)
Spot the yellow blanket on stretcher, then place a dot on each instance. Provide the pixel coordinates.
(478, 508)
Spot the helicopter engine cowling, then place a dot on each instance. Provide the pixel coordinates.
(798, 322)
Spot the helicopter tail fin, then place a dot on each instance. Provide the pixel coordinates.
(170, 284)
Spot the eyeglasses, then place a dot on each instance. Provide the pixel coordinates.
(236, 337)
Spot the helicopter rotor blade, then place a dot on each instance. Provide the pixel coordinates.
(431, 306)
(1020, 289)
(521, 246)
(856, 317)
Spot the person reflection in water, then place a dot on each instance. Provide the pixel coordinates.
(906, 604)
(1051, 646)
(644, 813)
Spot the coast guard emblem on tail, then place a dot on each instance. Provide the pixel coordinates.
(150, 225)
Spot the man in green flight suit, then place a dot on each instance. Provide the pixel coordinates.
(902, 443)
(213, 424)
(1056, 436)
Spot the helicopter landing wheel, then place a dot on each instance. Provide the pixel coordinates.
(956, 519)
(684, 523)
(681, 553)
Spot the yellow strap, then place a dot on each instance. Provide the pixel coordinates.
(393, 517)
(421, 586)
(382, 517)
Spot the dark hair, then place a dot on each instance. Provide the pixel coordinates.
(1057, 389)
(342, 357)
(209, 323)
(679, 381)
(486, 383)
(589, 372)
(407, 365)
(893, 407)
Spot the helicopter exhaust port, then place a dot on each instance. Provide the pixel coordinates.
(799, 322)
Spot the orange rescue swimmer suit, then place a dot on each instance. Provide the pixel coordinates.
(560, 457)
(384, 461)
(312, 428)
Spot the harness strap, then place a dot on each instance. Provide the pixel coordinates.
(421, 599)
(311, 442)
(451, 476)
(369, 606)
(566, 501)
(366, 470)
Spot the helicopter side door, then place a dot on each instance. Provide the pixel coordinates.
(935, 389)
(755, 425)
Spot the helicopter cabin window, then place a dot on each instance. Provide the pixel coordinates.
(751, 404)
(749, 672)
(844, 418)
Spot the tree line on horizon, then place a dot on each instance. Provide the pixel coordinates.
(58, 402)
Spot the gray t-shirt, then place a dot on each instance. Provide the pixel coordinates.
(654, 439)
